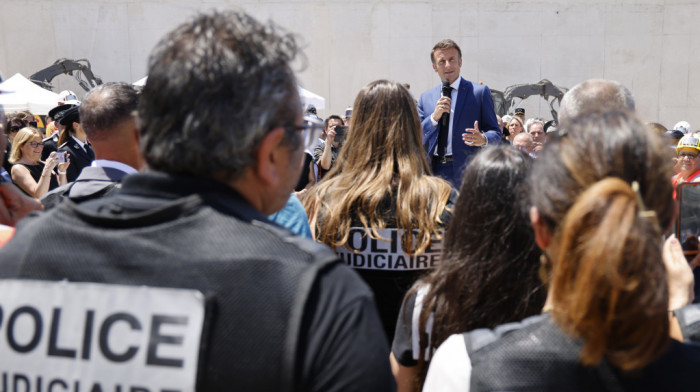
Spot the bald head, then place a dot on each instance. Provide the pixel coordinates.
(594, 94)
(107, 106)
(523, 141)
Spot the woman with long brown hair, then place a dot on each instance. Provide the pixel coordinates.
(379, 207)
(601, 201)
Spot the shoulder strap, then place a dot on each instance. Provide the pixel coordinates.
(689, 320)
(608, 377)
(102, 192)
(55, 197)
(480, 338)
(296, 316)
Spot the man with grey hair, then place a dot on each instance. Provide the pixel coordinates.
(108, 116)
(535, 128)
(181, 281)
(594, 94)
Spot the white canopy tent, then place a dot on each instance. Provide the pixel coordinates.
(19, 93)
(141, 82)
(307, 97)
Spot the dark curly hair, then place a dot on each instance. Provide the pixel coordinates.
(216, 86)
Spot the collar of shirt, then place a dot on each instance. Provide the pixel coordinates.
(455, 84)
(80, 142)
(453, 96)
(114, 165)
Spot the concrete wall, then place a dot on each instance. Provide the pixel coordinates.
(652, 46)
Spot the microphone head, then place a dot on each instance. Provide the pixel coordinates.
(446, 89)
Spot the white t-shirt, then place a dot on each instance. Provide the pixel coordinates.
(451, 368)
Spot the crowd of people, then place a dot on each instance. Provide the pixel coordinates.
(239, 243)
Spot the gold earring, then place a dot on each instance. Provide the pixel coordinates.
(545, 268)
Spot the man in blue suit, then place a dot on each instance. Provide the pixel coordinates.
(472, 120)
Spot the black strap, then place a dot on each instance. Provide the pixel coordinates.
(53, 199)
(296, 316)
(608, 377)
(101, 193)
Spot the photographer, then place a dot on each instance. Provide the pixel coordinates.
(326, 153)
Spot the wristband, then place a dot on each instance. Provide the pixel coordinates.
(61, 172)
(4, 179)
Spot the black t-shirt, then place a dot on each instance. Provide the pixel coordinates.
(406, 345)
(388, 271)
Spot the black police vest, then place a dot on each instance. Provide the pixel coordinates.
(535, 355)
(256, 297)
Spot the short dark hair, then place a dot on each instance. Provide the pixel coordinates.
(106, 106)
(444, 45)
(333, 117)
(216, 86)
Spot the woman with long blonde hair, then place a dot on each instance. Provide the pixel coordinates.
(29, 173)
(379, 207)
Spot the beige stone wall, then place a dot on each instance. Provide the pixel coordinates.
(651, 46)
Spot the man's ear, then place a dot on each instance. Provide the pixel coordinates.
(434, 67)
(543, 234)
(268, 156)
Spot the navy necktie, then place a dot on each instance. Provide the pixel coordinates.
(442, 136)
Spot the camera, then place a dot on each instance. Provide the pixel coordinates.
(61, 157)
(341, 132)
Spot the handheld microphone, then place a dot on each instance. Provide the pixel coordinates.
(446, 92)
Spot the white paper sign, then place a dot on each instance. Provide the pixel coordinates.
(67, 336)
(377, 254)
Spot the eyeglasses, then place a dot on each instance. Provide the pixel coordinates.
(688, 155)
(310, 130)
(34, 145)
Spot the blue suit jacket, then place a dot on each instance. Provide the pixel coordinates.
(474, 103)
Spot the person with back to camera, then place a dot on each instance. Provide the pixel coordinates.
(31, 175)
(489, 269)
(108, 115)
(601, 201)
(181, 283)
(379, 207)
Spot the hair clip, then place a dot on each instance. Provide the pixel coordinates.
(643, 211)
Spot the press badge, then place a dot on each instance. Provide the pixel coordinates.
(70, 337)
